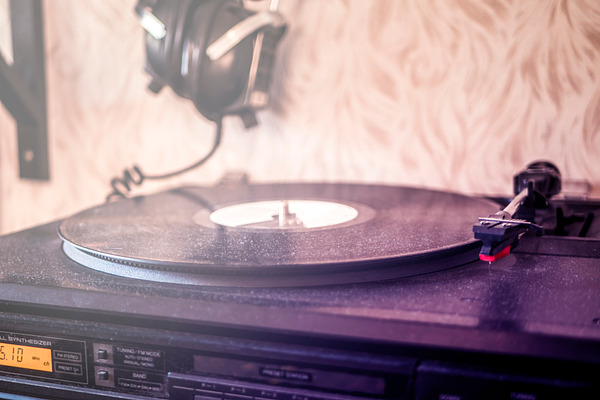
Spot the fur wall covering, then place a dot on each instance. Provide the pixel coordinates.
(453, 95)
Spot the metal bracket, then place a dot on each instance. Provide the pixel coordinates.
(23, 88)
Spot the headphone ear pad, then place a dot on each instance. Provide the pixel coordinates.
(183, 13)
(215, 85)
(164, 55)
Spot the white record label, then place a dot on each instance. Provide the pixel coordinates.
(284, 214)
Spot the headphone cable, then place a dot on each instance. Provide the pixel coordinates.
(134, 176)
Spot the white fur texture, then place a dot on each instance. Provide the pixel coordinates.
(455, 95)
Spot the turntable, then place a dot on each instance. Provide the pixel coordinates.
(294, 291)
(304, 292)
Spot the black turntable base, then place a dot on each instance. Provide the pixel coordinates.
(239, 293)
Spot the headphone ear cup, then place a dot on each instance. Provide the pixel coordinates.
(216, 85)
(178, 35)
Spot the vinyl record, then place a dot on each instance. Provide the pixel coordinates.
(277, 234)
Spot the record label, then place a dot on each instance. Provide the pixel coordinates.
(283, 214)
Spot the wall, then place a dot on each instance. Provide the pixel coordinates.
(453, 95)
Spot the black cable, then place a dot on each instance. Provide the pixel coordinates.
(134, 176)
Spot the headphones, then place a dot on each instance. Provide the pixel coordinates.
(214, 52)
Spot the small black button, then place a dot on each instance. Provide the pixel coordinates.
(103, 375)
(203, 397)
(102, 354)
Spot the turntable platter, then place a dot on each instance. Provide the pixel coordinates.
(277, 234)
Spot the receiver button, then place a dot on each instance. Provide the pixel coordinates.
(104, 376)
(204, 397)
(102, 354)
